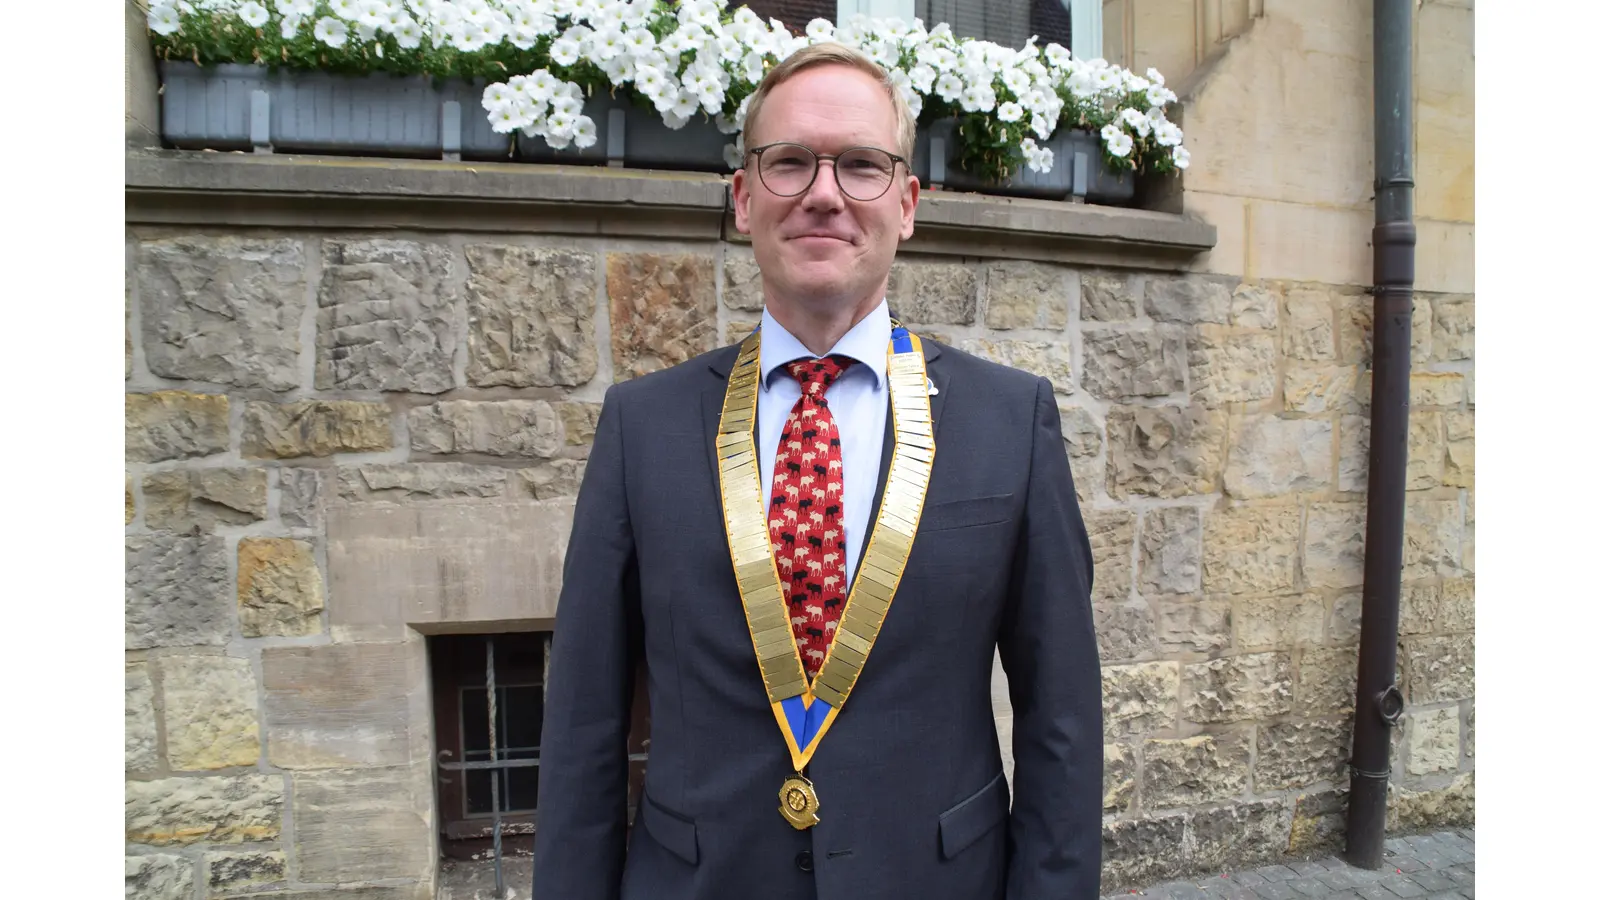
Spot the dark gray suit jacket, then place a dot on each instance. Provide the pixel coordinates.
(914, 803)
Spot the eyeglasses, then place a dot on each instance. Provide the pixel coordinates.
(862, 173)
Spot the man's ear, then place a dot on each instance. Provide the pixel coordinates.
(909, 198)
(741, 201)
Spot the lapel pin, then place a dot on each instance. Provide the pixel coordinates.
(932, 389)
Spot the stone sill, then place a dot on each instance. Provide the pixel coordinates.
(170, 187)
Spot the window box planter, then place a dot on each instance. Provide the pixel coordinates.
(247, 107)
(1079, 170)
(635, 137)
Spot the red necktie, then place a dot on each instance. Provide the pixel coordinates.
(806, 517)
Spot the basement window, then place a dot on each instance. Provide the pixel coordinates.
(481, 780)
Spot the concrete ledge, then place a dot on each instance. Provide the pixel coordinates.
(247, 190)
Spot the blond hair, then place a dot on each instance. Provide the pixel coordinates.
(831, 53)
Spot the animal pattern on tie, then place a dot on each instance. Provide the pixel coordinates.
(806, 516)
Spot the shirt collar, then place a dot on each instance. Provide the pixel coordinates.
(867, 343)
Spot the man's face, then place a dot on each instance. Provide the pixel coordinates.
(822, 248)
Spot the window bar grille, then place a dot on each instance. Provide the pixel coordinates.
(495, 772)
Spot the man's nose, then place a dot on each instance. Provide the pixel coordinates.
(824, 192)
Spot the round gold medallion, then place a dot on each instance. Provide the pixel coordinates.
(797, 800)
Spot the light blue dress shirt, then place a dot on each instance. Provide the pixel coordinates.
(859, 401)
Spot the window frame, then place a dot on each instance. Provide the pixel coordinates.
(456, 666)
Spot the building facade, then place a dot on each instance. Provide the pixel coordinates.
(360, 397)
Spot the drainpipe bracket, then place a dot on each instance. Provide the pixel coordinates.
(1391, 705)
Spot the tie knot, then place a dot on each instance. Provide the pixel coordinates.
(817, 375)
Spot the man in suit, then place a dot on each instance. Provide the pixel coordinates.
(813, 543)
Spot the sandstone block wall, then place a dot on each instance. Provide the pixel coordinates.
(339, 442)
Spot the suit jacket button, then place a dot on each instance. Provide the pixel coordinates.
(802, 860)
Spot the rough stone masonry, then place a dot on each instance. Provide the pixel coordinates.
(321, 423)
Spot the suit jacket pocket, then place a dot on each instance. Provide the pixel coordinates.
(961, 825)
(671, 830)
(966, 513)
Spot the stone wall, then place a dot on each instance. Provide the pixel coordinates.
(338, 442)
(1280, 114)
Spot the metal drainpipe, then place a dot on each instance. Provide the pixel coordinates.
(1394, 240)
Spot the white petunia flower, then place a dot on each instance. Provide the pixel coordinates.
(164, 20)
(289, 27)
(673, 121)
(667, 96)
(540, 85)
(1042, 125)
(922, 77)
(1038, 159)
(1168, 134)
(1010, 111)
(253, 14)
(1081, 83)
(1154, 76)
(365, 33)
(914, 101)
(565, 51)
(949, 87)
(472, 38)
(609, 44)
(726, 125)
(522, 37)
(620, 68)
(511, 117)
(346, 9)
(728, 47)
(687, 105)
(732, 154)
(566, 104)
(584, 134)
(331, 31)
(640, 40)
(1117, 143)
(648, 79)
(1016, 80)
(694, 35)
(978, 98)
(474, 11)
(747, 17)
(1180, 157)
(755, 65)
(560, 122)
(819, 30)
(408, 34)
(373, 14)
(497, 96)
(1135, 119)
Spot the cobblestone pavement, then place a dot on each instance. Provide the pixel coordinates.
(1435, 866)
